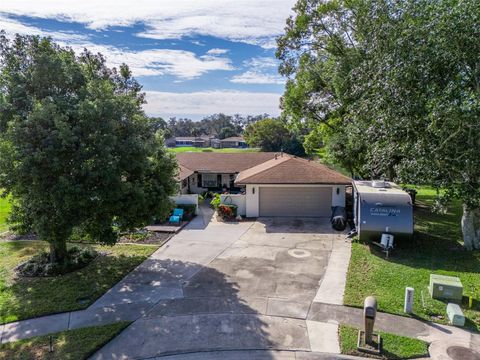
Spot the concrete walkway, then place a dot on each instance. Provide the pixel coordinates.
(153, 280)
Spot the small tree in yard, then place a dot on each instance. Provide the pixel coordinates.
(394, 87)
(76, 149)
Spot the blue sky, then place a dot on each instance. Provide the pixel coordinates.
(193, 57)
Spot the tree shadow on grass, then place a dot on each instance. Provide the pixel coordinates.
(24, 297)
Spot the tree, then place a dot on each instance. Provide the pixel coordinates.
(394, 88)
(273, 135)
(76, 149)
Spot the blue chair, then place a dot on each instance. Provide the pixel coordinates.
(178, 212)
(174, 219)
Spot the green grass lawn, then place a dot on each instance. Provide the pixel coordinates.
(67, 345)
(23, 298)
(394, 346)
(436, 248)
(4, 211)
(197, 149)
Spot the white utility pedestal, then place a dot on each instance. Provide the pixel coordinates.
(408, 307)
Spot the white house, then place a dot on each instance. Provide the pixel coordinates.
(265, 184)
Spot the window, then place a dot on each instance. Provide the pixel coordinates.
(209, 180)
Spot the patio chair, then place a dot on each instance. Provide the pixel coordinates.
(174, 219)
(178, 212)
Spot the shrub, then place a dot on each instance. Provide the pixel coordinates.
(40, 265)
(216, 201)
(227, 212)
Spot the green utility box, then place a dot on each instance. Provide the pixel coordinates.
(455, 315)
(445, 287)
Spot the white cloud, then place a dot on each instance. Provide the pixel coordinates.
(12, 27)
(254, 77)
(210, 102)
(249, 21)
(180, 63)
(216, 51)
(262, 63)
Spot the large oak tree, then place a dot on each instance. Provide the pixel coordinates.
(394, 88)
(76, 149)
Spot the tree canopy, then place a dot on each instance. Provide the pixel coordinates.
(273, 135)
(219, 125)
(393, 89)
(76, 149)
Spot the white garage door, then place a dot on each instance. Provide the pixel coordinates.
(295, 201)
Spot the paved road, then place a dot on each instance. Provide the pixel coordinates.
(227, 287)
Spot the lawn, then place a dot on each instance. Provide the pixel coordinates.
(197, 149)
(23, 298)
(436, 248)
(67, 345)
(4, 211)
(394, 346)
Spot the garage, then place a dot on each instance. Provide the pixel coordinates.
(288, 186)
(295, 201)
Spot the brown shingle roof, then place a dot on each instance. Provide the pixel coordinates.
(234, 138)
(183, 172)
(222, 162)
(288, 169)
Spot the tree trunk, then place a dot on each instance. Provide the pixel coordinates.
(471, 228)
(58, 251)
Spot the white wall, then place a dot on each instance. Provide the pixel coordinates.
(252, 197)
(338, 199)
(252, 208)
(235, 199)
(185, 199)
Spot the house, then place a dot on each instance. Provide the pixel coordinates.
(233, 142)
(198, 141)
(265, 184)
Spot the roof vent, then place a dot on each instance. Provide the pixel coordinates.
(379, 184)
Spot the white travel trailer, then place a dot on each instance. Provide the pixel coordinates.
(381, 207)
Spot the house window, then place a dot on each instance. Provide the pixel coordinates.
(199, 180)
(210, 180)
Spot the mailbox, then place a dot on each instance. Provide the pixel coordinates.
(369, 314)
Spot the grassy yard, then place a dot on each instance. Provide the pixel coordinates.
(4, 211)
(67, 345)
(436, 248)
(394, 346)
(197, 149)
(23, 298)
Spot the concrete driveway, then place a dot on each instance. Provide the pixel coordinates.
(242, 287)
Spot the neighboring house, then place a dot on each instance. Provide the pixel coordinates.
(268, 184)
(199, 141)
(233, 142)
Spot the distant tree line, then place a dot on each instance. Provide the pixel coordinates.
(220, 125)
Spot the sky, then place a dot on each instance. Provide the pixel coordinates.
(193, 57)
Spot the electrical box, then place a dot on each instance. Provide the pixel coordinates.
(455, 315)
(446, 287)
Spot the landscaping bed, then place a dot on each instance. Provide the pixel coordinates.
(67, 345)
(23, 297)
(394, 346)
(436, 248)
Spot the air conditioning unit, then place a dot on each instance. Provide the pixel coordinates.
(446, 287)
(378, 184)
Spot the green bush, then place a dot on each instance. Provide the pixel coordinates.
(216, 201)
